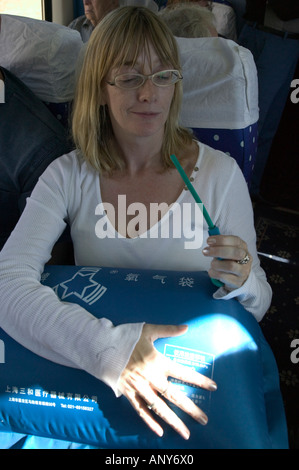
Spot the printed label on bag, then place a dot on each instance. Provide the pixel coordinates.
(201, 362)
(49, 398)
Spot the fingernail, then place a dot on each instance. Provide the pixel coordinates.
(206, 251)
(211, 241)
(186, 435)
(213, 387)
(203, 420)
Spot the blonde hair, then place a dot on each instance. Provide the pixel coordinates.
(120, 37)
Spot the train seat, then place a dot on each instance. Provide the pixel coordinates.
(24, 157)
(43, 56)
(220, 97)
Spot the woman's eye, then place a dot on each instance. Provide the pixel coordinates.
(129, 78)
(164, 77)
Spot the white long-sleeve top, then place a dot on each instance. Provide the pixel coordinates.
(69, 191)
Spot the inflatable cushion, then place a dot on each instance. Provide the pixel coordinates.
(223, 341)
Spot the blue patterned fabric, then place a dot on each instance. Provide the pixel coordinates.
(241, 144)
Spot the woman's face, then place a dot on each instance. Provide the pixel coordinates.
(140, 112)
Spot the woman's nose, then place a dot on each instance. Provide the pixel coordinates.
(148, 91)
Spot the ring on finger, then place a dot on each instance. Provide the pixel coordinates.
(244, 260)
(150, 407)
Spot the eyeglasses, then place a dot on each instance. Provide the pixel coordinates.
(131, 81)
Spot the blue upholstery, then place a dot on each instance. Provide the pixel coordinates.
(241, 144)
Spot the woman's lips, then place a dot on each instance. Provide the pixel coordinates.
(146, 114)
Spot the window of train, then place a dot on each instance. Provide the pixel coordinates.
(29, 8)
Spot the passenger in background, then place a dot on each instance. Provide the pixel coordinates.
(189, 20)
(271, 33)
(224, 16)
(94, 11)
(151, 4)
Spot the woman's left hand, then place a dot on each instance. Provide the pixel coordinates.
(231, 262)
(144, 382)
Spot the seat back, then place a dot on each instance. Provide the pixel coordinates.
(225, 19)
(43, 56)
(220, 97)
(24, 154)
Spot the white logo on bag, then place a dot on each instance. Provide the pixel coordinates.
(2, 352)
(82, 285)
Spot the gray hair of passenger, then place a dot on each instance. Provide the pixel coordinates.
(189, 20)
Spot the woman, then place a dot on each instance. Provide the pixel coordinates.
(125, 128)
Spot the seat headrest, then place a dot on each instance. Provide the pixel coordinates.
(220, 84)
(41, 54)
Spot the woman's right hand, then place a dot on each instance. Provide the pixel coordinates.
(144, 382)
